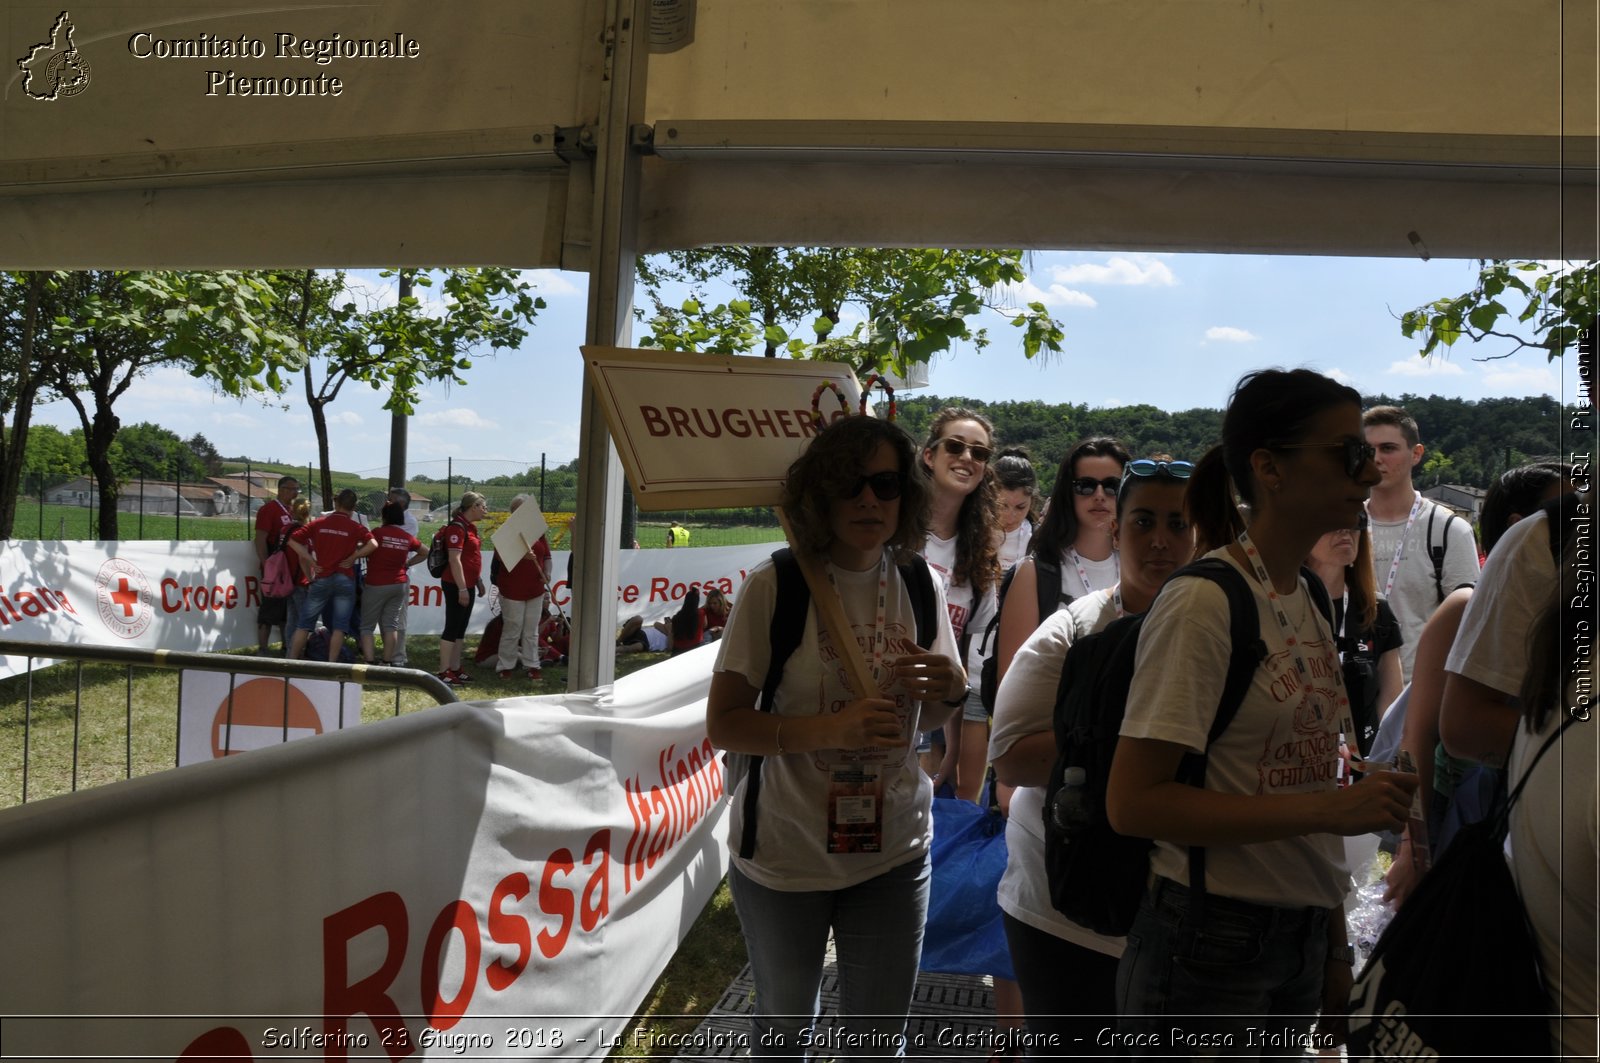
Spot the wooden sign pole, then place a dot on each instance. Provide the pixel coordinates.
(831, 612)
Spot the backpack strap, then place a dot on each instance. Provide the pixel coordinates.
(1047, 585)
(919, 587)
(1436, 552)
(790, 603)
(1245, 656)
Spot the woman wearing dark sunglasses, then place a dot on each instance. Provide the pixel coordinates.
(1262, 943)
(1075, 536)
(843, 811)
(1068, 972)
(962, 549)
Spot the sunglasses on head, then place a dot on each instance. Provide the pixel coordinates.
(1171, 470)
(956, 447)
(885, 485)
(1356, 453)
(1086, 486)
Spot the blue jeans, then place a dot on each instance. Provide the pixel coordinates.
(338, 591)
(877, 932)
(1248, 966)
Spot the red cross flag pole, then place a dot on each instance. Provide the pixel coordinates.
(707, 431)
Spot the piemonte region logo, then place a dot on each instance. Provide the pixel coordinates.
(123, 596)
(55, 69)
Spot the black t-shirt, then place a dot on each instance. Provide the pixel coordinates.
(1360, 649)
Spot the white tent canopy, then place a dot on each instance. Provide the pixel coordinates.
(542, 134)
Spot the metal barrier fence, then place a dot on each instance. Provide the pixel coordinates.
(71, 744)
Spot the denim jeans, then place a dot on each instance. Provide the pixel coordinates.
(1248, 967)
(338, 591)
(877, 932)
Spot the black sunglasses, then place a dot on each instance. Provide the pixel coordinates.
(1171, 470)
(956, 447)
(885, 485)
(1356, 453)
(1086, 486)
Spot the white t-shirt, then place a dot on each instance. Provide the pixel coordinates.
(1014, 544)
(941, 557)
(1102, 574)
(1517, 583)
(791, 850)
(1025, 705)
(1554, 858)
(1415, 595)
(1280, 742)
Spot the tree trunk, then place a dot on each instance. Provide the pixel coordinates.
(98, 440)
(14, 443)
(319, 421)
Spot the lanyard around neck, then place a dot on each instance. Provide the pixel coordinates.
(1287, 630)
(880, 619)
(1083, 573)
(1400, 547)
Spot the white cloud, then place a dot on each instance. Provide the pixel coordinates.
(459, 417)
(1229, 334)
(1341, 376)
(1056, 295)
(1138, 270)
(349, 417)
(1420, 367)
(551, 282)
(1530, 379)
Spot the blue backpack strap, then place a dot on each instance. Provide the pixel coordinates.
(790, 604)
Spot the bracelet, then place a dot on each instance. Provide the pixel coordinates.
(778, 736)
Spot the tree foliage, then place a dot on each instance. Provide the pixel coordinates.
(1524, 304)
(402, 346)
(915, 302)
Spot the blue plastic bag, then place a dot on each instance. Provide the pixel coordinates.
(964, 933)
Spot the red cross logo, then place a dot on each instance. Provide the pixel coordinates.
(125, 597)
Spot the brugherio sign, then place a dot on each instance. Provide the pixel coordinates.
(708, 431)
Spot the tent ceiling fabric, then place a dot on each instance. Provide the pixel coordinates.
(1269, 125)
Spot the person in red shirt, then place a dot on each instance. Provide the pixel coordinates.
(524, 589)
(328, 548)
(462, 582)
(383, 599)
(273, 524)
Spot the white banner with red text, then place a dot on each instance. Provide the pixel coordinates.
(203, 596)
(478, 879)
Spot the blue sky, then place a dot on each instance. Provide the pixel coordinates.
(1174, 331)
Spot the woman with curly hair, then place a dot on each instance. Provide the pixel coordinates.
(962, 548)
(844, 817)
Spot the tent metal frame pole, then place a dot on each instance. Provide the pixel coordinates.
(612, 255)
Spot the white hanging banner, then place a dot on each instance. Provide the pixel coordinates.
(476, 880)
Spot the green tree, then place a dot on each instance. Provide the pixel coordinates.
(916, 302)
(400, 347)
(27, 306)
(155, 453)
(54, 456)
(206, 454)
(113, 326)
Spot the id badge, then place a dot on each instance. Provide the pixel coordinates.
(855, 809)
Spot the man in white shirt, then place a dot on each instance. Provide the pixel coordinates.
(1420, 550)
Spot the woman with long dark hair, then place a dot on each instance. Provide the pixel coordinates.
(1263, 935)
(962, 550)
(1367, 632)
(687, 623)
(1074, 539)
(842, 819)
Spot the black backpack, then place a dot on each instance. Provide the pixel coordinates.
(439, 552)
(1456, 975)
(1047, 585)
(792, 602)
(1097, 877)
